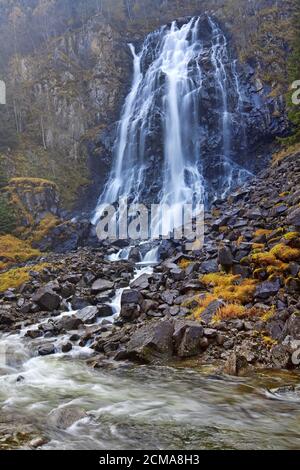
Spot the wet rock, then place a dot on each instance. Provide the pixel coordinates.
(46, 350)
(34, 334)
(101, 285)
(235, 364)
(65, 417)
(105, 310)
(66, 347)
(88, 315)
(38, 442)
(68, 323)
(152, 342)
(46, 299)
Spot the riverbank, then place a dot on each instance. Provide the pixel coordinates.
(235, 302)
(92, 324)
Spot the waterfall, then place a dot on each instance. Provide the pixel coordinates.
(174, 141)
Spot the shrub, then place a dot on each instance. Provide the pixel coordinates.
(13, 250)
(230, 311)
(285, 253)
(14, 278)
(7, 216)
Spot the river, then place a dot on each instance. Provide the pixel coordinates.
(140, 407)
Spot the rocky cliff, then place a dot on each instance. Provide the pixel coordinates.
(67, 66)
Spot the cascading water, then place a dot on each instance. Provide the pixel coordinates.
(174, 142)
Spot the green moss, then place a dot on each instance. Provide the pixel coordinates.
(14, 250)
(15, 278)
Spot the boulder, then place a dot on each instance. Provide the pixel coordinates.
(131, 296)
(267, 289)
(292, 327)
(294, 217)
(46, 299)
(235, 364)
(105, 310)
(225, 257)
(66, 416)
(209, 266)
(101, 285)
(187, 339)
(211, 310)
(142, 282)
(68, 323)
(66, 347)
(46, 350)
(152, 343)
(88, 314)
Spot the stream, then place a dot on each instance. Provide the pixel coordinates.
(149, 407)
(142, 407)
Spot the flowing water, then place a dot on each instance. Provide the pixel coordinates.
(147, 407)
(164, 129)
(140, 407)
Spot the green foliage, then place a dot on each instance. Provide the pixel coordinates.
(7, 215)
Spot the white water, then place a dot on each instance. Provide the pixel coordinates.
(166, 91)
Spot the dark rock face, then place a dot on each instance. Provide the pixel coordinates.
(220, 160)
(85, 111)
